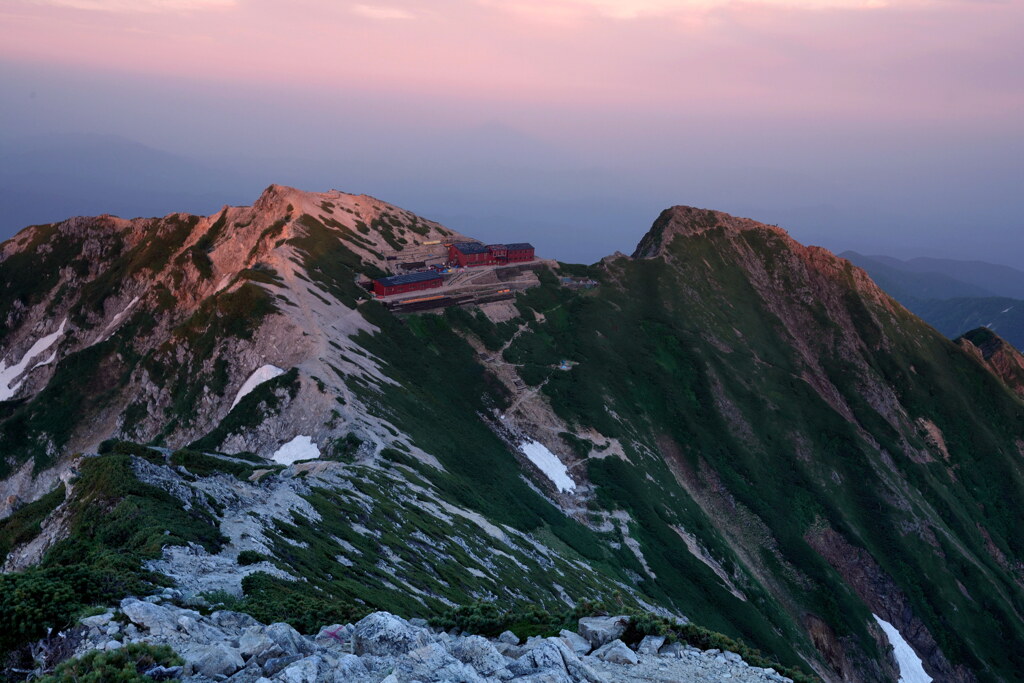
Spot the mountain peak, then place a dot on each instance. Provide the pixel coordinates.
(691, 221)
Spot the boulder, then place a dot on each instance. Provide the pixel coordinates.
(433, 663)
(673, 650)
(601, 630)
(616, 652)
(255, 641)
(100, 621)
(347, 668)
(199, 630)
(158, 620)
(164, 673)
(553, 656)
(303, 671)
(335, 637)
(384, 634)
(510, 651)
(508, 638)
(288, 639)
(479, 653)
(576, 642)
(250, 674)
(214, 660)
(650, 645)
(232, 622)
(278, 664)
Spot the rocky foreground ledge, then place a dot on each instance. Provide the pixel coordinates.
(384, 648)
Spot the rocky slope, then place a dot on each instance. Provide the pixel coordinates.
(730, 426)
(382, 648)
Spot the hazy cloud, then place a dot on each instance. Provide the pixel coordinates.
(382, 13)
(636, 9)
(140, 5)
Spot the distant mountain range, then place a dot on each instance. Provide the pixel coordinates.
(953, 296)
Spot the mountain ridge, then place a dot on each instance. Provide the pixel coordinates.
(757, 435)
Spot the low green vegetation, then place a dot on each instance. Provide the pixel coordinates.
(124, 665)
(204, 465)
(24, 524)
(115, 523)
(330, 264)
(247, 557)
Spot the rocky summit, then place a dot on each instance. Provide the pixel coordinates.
(384, 648)
(321, 407)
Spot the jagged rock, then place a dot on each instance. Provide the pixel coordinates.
(213, 660)
(271, 653)
(158, 620)
(199, 630)
(98, 621)
(278, 664)
(601, 630)
(164, 673)
(433, 663)
(254, 641)
(616, 652)
(250, 674)
(576, 642)
(384, 634)
(303, 671)
(553, 655)
(480, 653)
(672, 650)
(650, 645)
(245, 651)
(335, 637)
(348, 667)
(510, 651)
(233, 622)
(288, 639)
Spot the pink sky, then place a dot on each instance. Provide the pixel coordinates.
(938, 60)
(871, 124)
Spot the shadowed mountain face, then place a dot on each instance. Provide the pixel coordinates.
(755, 434)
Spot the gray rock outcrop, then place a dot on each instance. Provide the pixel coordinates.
(384, 648)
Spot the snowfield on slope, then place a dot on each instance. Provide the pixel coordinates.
(911, 668)
(9, 374)
(299, 448)
(548, 463)
(258, 377)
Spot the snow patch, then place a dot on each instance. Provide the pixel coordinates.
(299, 448)
(9, 374)
(911, 669)
(548, 463)
(261, 375)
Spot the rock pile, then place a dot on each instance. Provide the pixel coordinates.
(383, 648)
